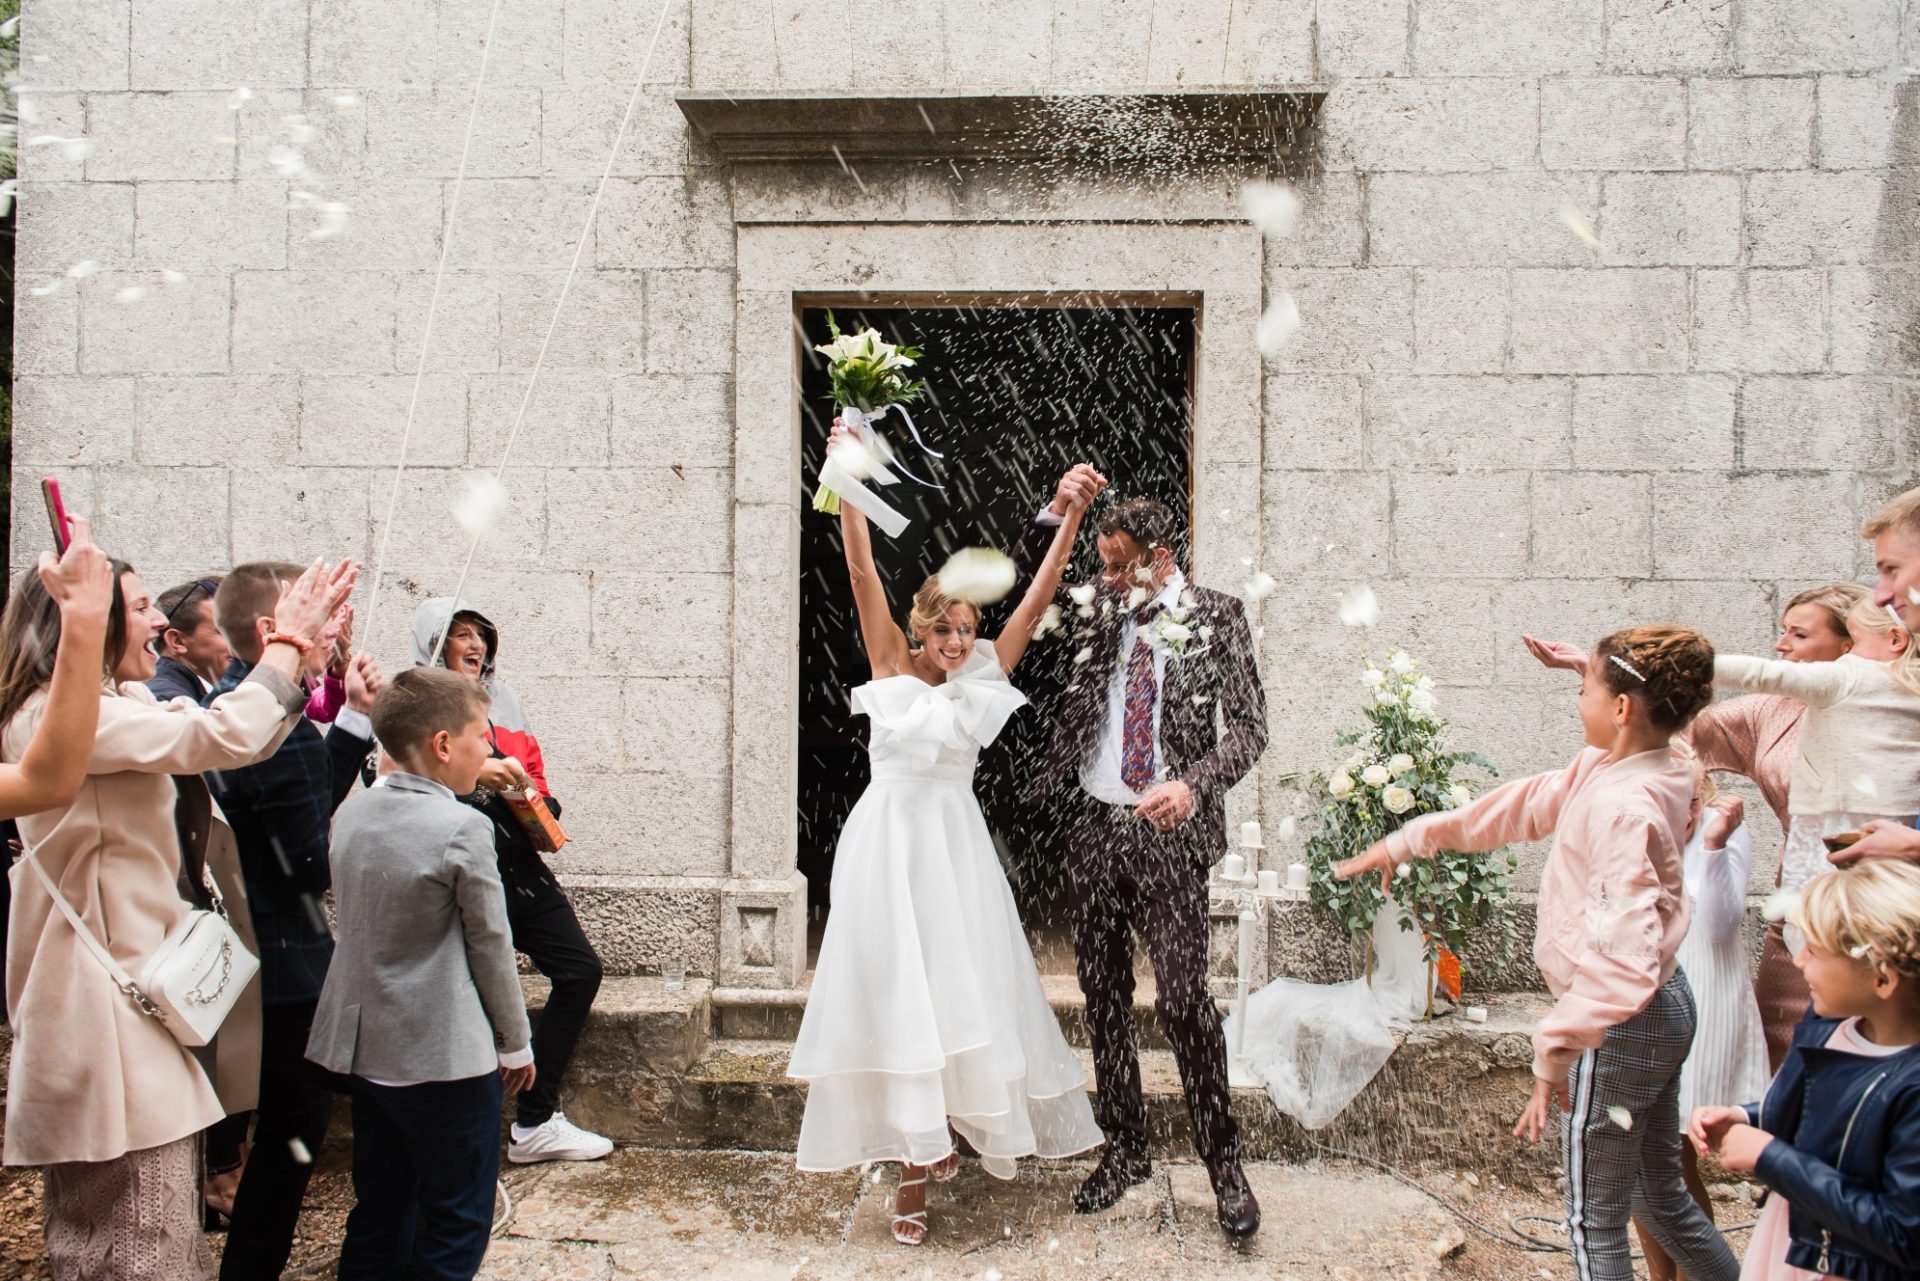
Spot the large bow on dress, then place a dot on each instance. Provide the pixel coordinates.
(914, 719)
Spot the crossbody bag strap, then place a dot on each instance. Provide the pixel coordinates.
(121, 979)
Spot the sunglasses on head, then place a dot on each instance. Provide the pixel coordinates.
(205, 588)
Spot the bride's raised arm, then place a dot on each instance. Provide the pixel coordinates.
(1018, 633)
(886, 644)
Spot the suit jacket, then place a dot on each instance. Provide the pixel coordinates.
(280, 809)
(173, 680)
(423, 985)
(1213, 711)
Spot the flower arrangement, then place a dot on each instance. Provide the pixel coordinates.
(1399, 769)
(868, 376)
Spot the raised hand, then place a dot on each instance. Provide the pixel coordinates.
(364, 683)
(81, 579)
(310, 600)
(1725, 813)
(1557, 654)
(342, 656)
(1077, 489)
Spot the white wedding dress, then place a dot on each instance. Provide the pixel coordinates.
(926, 1005)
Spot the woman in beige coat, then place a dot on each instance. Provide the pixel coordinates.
(99, 1094)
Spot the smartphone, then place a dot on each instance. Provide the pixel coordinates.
(57, 515)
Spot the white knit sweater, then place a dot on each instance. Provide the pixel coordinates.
(1859, 748)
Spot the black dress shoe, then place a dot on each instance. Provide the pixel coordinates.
(1110, 1180)
(1239, 1211)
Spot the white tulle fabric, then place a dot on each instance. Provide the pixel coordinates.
(926, 1005)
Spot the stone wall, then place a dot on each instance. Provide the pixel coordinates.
(1496, 428)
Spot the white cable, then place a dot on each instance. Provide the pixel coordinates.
(559, 304)
(426, 336)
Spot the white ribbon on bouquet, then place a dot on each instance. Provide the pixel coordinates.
(836, 476)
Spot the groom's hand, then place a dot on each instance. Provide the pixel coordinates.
(1079, 487)
(1166, 806)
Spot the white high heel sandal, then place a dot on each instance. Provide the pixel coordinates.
(916, 1219)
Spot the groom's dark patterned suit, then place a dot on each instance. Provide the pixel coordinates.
(1211, 726)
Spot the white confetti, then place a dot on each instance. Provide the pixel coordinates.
(1279, 323)
(10, 28)
(1083, 594)
(41, 291)
(299, 1151)
(131, 294)
(1286, 829)
(298, 130)
(77, 149)
(977, 575)
(1272, 207)
(173, 277)
(82, 269)
(1136, 597)
(1620, 1117)
(1780, 905)
(28, 113)
(1260, 586)
(1580, 225)
(1359, 608)
(344, 101)
(1083, 655)
(239, 98)
(481, 505)
(333, 220)
(285, 160)
(1473, 1180)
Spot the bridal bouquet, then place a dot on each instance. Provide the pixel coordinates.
(1398, 769)
(869, 377)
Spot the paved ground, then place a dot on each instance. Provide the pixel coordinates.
(682, 1216)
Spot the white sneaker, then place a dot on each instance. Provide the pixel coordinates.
(555, 1139)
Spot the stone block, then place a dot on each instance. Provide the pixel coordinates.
(581, 719)
(1578, 611)
(1432, 125)
(75, 44)
(1873, 329)
(373, 42)
(1000, 44)
(1797, 219)
(1697, 518)
(689, 322)
(298, 513)
(1313, 421)
(1324, 524)
(763, 932)
(1671, 219)
(1363, 38)
(1265, 43)
(327, 128)
(466, 324)
(1599, 321)
(733, 48)
(653, 823)
(1332, 228)
(165, 136)
(63, 223)
(665, 222)
(312, 321)
(395, 225)
(212, 44)
(211, 226)
(185, 422)
(566, 424)
(1357, 321)
(527, 43)
(1760, 321)
(1750, 122)
(1462, 37)
(607, 40)
(1467, 525)
(662, 419)
(600, 326)
(127, 497)
(1837, 424)
(46, 329)
(418, 132)
(1736, 614)
(1617, 122)
(73, 421)
(1654, 424)
(1100, 43)
(427, 541)
(577, 125)
(359, 420)
(678, 725)
(1859, 122)
(59, 115)
(1461, 320)
(662, 624)
(1592, 525)
(509, 223)
(1447, 624)
(27, 522)
(683, 520)
(1469, 421)
(1669, 35)
(1842, 35)
(1473, 220)
(172, 329)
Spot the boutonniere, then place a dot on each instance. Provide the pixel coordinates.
(1171, 633)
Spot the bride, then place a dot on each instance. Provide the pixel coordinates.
(926, 1015)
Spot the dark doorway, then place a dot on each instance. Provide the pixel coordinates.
(1016, 395)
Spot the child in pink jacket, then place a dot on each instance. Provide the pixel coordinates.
(1612, 912)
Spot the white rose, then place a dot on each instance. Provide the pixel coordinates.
(1400, 764)
(1375, 776)
(1176, 633)
(1373, 678)
(1340, 786)
(1458, 795)
(1400, 663)
(1397, 799)
(1421, 701)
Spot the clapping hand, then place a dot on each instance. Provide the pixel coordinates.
(307, 603)
(80, 580)
(364, 683)
(1557, 654)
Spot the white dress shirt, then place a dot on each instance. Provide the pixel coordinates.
(1100, 772)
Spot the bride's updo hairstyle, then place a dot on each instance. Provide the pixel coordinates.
(1668, 670)
(930, 605)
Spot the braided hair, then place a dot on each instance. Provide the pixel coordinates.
(1668, 669)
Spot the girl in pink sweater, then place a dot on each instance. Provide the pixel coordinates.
(1612, 912)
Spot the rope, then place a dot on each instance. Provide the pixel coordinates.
(559, 303)
(426, 336)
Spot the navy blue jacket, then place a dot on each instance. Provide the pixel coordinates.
(1846, 1156)
(281, 812)
(173, 680)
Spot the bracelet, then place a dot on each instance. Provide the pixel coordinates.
(288, 638)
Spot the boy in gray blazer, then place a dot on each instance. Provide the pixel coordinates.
(422, 1005)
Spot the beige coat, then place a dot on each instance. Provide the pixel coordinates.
(91, 1077)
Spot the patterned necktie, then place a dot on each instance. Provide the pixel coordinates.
(1136, 749)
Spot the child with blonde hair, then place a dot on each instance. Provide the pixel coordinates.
(1837, 1138)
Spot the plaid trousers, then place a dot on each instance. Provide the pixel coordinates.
(1614, 1172)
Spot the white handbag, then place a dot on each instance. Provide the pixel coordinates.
(192, 979)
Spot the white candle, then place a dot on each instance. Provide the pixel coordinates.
(1233, 867)
(1245, 972)
(1476, 1013)
(1250, 835)
(1269, 881)
(1296, 876)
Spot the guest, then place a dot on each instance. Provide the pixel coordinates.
(280, 809)
(192, 653)
(1895, 531)
(1837, 1138)
(538, 911)
(98, 1093)
(1612, 912)
(422, 1004)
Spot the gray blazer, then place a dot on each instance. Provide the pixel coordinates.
(423, 985)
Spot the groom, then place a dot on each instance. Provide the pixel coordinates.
(1153, 731)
